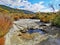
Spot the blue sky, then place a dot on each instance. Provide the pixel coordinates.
(34, 1)
(32, 5)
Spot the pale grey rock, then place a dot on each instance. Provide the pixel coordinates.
(12, 37)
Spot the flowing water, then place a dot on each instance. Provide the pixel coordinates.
(30, 31)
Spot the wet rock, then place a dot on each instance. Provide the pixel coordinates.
(50, 41)
(52, 30)
(18, 34)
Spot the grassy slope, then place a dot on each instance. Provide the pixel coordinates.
(14, 10)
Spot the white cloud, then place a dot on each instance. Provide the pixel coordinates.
(49, 10)
(27, 5)
(34, 7)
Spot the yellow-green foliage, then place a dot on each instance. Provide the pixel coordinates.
(17, 16)
(46, 17)
(56, 21)
(3, 11)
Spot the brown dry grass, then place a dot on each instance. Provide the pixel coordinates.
(5, 24)
(2, 41)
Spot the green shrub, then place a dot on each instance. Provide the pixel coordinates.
(56, 21)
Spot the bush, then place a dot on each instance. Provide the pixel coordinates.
(5, 24)
(56, 21)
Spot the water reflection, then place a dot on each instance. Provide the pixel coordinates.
(30, 31)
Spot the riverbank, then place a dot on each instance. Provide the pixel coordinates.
(16, 37)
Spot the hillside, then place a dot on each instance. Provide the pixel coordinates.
(16, 13)
(12, 10)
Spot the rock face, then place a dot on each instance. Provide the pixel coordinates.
(27, 23)
(18, 35)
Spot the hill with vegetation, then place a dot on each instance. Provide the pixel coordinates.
(13, 10)
(15, 13)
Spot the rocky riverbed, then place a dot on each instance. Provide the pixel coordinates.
(19, 33)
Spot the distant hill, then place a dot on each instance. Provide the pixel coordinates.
(13, 10)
